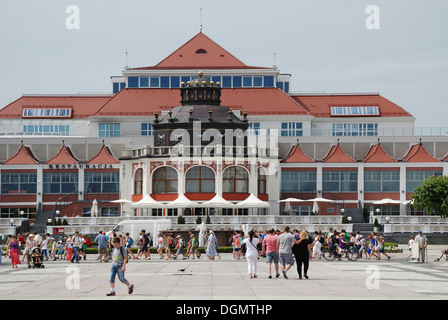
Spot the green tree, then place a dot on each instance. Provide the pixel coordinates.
(432, 195)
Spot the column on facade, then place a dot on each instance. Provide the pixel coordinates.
(402, 188)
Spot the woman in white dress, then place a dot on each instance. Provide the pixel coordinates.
(251, 242)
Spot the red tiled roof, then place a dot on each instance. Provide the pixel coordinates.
(418, 153)
(319, 105)
(376, 153)
(337, 155)
(23, 156)
(213, 56)
(296, 155)
(82, 106)
(104, 156)
(256, 101)
(64, 156)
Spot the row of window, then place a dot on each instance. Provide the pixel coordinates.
(47, 112)
(199, 179)
(60, 182)
(226, 82)
(354, 129)
(288, 129)
(347, 181)
(355, 111)
(63, 130)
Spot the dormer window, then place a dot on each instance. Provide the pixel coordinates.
(201, 51)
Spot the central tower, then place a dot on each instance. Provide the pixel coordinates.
(200, 110)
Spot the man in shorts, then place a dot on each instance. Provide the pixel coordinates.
(284, 244)
(269, 249)
(101, 239)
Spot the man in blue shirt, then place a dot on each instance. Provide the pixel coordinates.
(102, 246)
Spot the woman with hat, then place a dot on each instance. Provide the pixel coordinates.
(380, 248)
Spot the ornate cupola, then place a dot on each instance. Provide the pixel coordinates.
(200, 91)
(200, 107)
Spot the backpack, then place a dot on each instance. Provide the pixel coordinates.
(131, 241)
(321, 239)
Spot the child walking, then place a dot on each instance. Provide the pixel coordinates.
(119, 261)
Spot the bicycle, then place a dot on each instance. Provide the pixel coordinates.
(331, 253)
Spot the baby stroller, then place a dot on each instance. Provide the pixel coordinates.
(36, 259)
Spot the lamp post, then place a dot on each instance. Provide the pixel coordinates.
(11, 221)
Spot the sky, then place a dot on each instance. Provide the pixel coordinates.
(325, 45)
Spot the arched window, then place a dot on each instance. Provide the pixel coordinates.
(235, 180)
(200, 179)
(201, 51)
(138, 181)
(164, 180)
(261, 181)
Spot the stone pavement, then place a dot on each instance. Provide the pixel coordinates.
(227, 279)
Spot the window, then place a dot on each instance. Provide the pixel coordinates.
(164, 180)
(175, 82)
(258, 81)
(109, 211)
(101, 182)
(154, 82)
(355, 111)
(382, 181)
(200, 179)
(254, 128)
(109, 130)
(164, 82)
(415, 178)
(216, 79)
(47, 113)
(298, 181)
(292, 129)
(247, 81)
(235, 180)
(143, 82)
(201, 51)
(15, 183)
(60, 182)
(355, 129)
(147, 129)
(237, 81)
(268, 81)
(138, 181)
(262, 181)
(340, 181)
(227, 82)
(133, 82)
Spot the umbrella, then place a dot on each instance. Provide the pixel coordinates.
(217, 202)
(387, 201)
(182, 202)
(147, 202)
(292, 200)
(288, 203)
(253, 202)
(315, 207)
(121, 202)
(94, 210)
(320, 200)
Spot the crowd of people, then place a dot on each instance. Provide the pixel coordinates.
(281, 248)
(34, 247)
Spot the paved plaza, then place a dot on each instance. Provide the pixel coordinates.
(227, 279)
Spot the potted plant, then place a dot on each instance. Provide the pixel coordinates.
(180, 219)
(376, 225)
